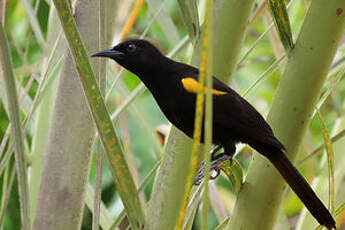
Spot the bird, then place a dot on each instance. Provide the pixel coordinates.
(174, 86)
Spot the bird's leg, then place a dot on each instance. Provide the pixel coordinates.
(214, 166)
(216, 160)
(214, 151)
(213, 157)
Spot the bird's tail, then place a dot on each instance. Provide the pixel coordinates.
(299, 185)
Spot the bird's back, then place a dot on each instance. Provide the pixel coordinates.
(234, 119)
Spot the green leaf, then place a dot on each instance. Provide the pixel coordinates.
(334, 139)
(16, 125)
(189, 10)
(281, 19)
(105, 220)
(234, 172)
(222, 225)
(330, 158)
(196, 195)
(33, 21)
(165, 22)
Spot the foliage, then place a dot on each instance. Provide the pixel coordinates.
(37, 65)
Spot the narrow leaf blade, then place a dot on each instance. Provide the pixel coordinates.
(281, 19)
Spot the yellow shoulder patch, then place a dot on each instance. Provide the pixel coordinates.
(193, 86)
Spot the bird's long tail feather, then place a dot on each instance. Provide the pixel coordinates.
(302, 189)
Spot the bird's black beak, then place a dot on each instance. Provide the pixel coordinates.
(110, 53)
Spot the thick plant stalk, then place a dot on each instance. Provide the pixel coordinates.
(230, 23)
(66, 167)
(167, 196)
(258, 201)
(168, 191)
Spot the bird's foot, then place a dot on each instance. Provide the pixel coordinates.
(214, 168)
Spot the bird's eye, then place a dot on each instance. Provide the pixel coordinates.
(131, 48)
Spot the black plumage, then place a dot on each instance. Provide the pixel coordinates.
(174, 86)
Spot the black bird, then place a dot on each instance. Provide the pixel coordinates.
(174, 86)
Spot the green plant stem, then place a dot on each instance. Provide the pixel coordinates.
(16, 125)
(105, 219)
(330, 160)
(207, 71)
(33, 21)
(165, 22)
(104, 38)
(5, 188)
(3, 11)
(189, 11)
(334, 139)
(142, 186)
(258, 201)
(230, 25)
(6, 196)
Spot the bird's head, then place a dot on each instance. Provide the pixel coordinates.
(136, 55)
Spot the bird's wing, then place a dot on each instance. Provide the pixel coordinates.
(235, 113)
(230, 110)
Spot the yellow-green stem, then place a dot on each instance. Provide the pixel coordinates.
(206, 70)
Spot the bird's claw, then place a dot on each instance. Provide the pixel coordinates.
(215, 173)
(214, 167)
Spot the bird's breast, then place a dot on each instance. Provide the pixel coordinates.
(178, 108)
